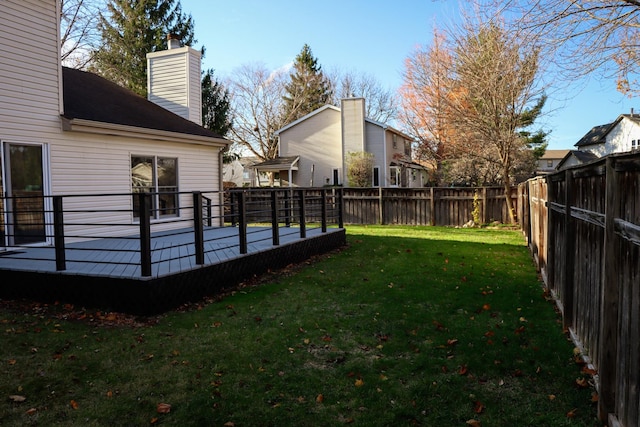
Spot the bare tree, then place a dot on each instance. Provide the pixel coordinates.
(496, 93)
(587, 36)
(256, 96)
(424, 96)
(79, 34)
(380, 102)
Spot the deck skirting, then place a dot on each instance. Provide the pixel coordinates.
(149, 296)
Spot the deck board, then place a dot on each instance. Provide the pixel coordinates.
(171, 252)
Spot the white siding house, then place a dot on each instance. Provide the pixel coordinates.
(620, 136)
(314, 149)
(68, 132)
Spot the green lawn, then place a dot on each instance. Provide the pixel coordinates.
(409, 326)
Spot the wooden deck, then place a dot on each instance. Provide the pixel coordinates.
(106, 273)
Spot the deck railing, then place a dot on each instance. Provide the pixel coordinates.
(67, 228)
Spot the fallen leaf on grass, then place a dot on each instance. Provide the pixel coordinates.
(572, 413)
(319, 398)
(359, 382)
(164, 408)
(31, 411)
(473, 423)
(17, 398)
(74, 404)
(582, 382)
(478, 407)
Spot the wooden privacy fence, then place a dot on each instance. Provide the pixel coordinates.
(587, 220)
(425, 206)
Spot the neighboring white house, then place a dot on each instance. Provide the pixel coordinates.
(314, 149)
(550, 160)
(620, 136)
(241, 173)
(65, 131)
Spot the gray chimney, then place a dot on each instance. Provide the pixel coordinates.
(173, 80)
(173, 41)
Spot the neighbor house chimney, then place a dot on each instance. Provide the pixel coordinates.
(173, 79)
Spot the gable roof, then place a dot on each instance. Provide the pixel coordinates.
(594, 136)
(581, 156)
(305, 117)
(554, 154)
(90, 97)
(337, 109)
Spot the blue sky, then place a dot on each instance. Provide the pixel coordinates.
(372, 37)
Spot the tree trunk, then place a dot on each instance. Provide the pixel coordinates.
(507, 195)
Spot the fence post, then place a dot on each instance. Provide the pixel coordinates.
(144, 200)
(242, 221)
(303, 224)
(380, 206)
(432, 207)
(607, 370)
(323, 204)
(275, 232)
(58, 233)
(340, 201)
(484, 206)
(569, 252)
(198, 228)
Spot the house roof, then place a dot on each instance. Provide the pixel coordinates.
(594, 136)
(581, 156)
(91, 97)
(279, 163)
(554, 154)
(334, 108)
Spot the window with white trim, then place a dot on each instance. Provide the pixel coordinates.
(394, 176)
(157, 176)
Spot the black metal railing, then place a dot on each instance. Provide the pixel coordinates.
(129, 231)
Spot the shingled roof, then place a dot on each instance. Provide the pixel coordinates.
(594, 136)
(91, 97)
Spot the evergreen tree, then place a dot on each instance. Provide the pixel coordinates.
(215, 105)
(132, 29)
(216, 110)
(308, 89)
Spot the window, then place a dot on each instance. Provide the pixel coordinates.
(394, 176)
(549, 163)
(157, 176)
(336, 177)
(395, 140)
(376, 176)
(635, 144)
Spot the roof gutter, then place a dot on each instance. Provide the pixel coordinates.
(101, 128)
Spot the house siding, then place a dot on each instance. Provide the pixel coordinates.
(29, 71)
(375, 146)
(79, 163)
(618, 140)
(174, 82)
(318, 145)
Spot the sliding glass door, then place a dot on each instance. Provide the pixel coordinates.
(22, 187)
